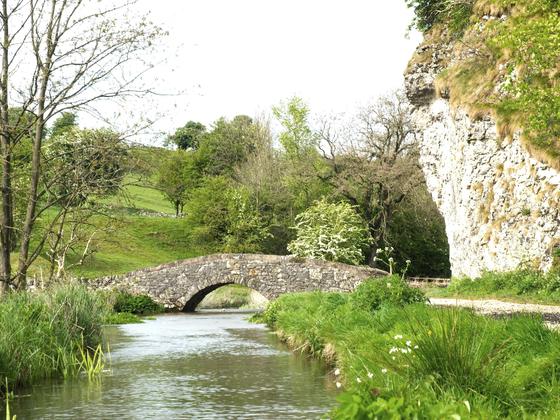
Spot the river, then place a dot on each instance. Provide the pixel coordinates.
(190, 366)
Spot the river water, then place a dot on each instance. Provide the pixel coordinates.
(190, 366)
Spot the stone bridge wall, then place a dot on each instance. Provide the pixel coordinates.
(183, 284)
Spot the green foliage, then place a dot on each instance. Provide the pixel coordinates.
(136, 304)
(119, 318)
(84, 163)
(530, 40)
(246, 230)
(41, 333)
(207, 210)
(417, 361)
(297, 138)
(226, 146)
(175, 179)
(454, 13)
(391, 290)
(331, 232)
(188, 136)
(66, 122)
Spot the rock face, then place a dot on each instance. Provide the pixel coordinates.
(183, 284)
(501, 206)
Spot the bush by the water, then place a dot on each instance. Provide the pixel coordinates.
(417, 361)
(41, 333)
(136, 304)
(373, 293)
(523, 283)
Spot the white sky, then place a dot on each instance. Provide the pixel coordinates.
(230, 57)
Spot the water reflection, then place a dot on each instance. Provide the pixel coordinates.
(191, 366)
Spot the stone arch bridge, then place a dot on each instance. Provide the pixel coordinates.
(182, 285)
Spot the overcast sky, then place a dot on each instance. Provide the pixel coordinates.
(229, 57)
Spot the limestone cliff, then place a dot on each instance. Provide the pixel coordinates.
(500, 204)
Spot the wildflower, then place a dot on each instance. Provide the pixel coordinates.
(338, 384)
(408, 262)
(416, 346)
(379, 251)
(398, 337)
(386, 249)
(389, 285)
(393, 350)
(408, 343)
(384, 371)
(358, 380)
(370, 375)
(374, 259)
(391, 259)
(337, 372)
(393, 357)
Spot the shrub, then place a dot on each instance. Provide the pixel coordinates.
(136, 304)
(392, 290)
(331, 232)
(455, 13)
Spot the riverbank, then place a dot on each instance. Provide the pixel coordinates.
(411, 359)
(45, 334)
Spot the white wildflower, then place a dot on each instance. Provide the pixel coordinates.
(393, 350)
(358, 380)
(398, 337)
(416, 346)
(408, 343)
(379, 251)
(338, 384)
(370, 375)
(408, 262)
(383, 371)
(389, 285)
(337, 372)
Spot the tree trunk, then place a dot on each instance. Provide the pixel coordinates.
(6, 218)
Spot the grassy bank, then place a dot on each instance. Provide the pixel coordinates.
(42, 335)
(526, 286)
(400, 359)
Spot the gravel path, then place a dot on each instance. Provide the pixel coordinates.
(551, 314)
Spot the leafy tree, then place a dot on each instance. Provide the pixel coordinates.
(175, 179)
(207, 212)
(188, 136)
(304, 164)
(374, 163)
(246, 229)
(331, 232)
(66, 122)
(226, 146)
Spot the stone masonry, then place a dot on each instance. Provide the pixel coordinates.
(183, 284)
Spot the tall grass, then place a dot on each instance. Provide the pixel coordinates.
(40, 333)
(415, 361)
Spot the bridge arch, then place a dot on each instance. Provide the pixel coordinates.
(183, 284)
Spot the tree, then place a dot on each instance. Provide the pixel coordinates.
(57, 56)
(188, 136)
(304, 164)
(226, 146)
(81, 166)
(175, 179)
(65, 122)
(374, 162)
(331, 232)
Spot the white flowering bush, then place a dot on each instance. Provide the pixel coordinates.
(330, 232)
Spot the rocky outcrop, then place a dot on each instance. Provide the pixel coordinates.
(501, 206)
(182, 285)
